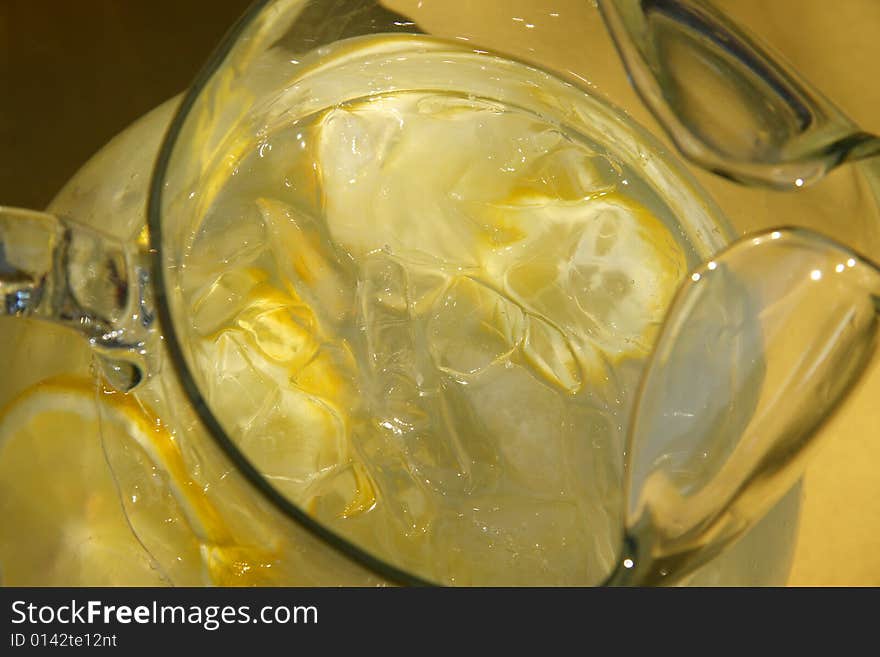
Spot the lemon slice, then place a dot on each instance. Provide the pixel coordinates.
(604, 269)
(285, 390)
(63, 521)
(63, 524)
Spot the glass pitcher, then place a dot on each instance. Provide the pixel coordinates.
(206, 505)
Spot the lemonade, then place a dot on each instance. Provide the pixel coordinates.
(422, 315)
(420, 306)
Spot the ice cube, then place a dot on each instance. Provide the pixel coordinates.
(547, 350)
(235, 386)
(568, 172)
(389, 177)
(294, 440)
(403, 499)
(232, 238)
(524, 419)
(409, 410)
(308, 262)
(222, 298)
(385, 315)
(470, 327)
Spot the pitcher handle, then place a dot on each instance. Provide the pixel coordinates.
(56, 270)
(728, 103)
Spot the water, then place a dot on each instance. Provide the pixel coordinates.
(422, 313)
